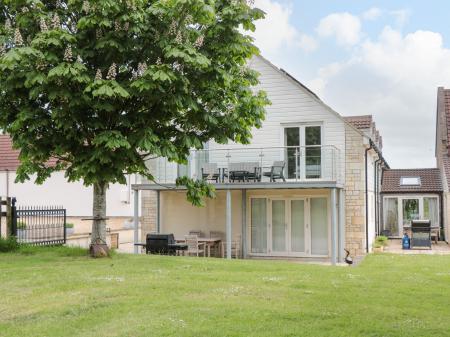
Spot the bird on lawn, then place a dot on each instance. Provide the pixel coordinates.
(348, 258)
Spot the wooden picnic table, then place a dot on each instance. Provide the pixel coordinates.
(209, 242)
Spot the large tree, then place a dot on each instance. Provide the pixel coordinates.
(99, 86)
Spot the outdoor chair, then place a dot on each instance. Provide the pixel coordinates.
(194, 247)
(420, 234)
(210, 172)
(217, 249)
(253, 170)
(235, 248)
(276, 171)
(196, 232)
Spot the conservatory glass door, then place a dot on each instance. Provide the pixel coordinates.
(411, 211)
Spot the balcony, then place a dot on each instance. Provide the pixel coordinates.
(255, 166)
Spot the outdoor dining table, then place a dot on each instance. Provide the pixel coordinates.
(209, 242)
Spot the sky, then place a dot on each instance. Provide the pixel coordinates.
(384, 58)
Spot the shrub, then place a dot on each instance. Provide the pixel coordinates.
(382, 240)
(69, 225)
(9, 244)
(377, 244)
(21, 225)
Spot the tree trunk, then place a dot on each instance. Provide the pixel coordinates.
(98, 247)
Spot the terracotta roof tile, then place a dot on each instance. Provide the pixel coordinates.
(360, 122)
(430, 180)
(9, 158)
(447, 114)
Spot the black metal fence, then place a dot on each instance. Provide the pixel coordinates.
(39, 225)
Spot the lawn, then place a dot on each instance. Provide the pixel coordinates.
(60, 292)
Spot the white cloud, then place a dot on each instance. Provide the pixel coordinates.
(372, 14)
(395, 78)
(308, 43)
(276, 30)
(401, 16)
(326, 73)
(345, 27)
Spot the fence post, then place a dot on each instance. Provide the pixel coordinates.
(13, 217)
(2, 203)
(8, 217)
(65, 224)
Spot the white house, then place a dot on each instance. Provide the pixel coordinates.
(306, 187)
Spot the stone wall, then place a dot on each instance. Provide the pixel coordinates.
(148, 212)
(355, 212)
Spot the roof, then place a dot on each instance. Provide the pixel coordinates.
(430, 181)
(300, 83)
(366, 124)
(446, 99)
(443, 131)
(9, 158)
(360, 122)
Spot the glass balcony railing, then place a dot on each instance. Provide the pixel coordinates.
(254, 165)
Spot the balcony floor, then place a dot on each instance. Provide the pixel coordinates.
(248, 185)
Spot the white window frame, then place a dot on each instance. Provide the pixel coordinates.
(302, 142)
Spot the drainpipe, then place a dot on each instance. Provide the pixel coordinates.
(441, 217)
(375, 178)
(367, 194)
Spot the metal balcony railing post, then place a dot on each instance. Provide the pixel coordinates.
(261, 155)
(228, 156)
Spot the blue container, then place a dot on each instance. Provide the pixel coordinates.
(406, 242)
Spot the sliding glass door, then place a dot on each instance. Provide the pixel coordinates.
(319, 226)
(279, 226)
(258, 225)
(296, 226)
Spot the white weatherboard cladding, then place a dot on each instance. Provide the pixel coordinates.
(291, 105)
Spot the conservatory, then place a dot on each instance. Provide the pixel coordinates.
(410, 195)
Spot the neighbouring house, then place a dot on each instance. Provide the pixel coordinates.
(443, 152)
(56, 191)
(307, 186)
(411, 194)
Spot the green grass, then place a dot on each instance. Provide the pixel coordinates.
(61, 292)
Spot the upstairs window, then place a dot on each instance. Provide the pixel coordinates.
(410, 181)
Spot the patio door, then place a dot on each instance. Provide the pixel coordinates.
(297, 227)
(303, 154)
(288, 234)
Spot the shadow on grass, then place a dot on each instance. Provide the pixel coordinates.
(59, 251)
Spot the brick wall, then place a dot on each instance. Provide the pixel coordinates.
(355, 212)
